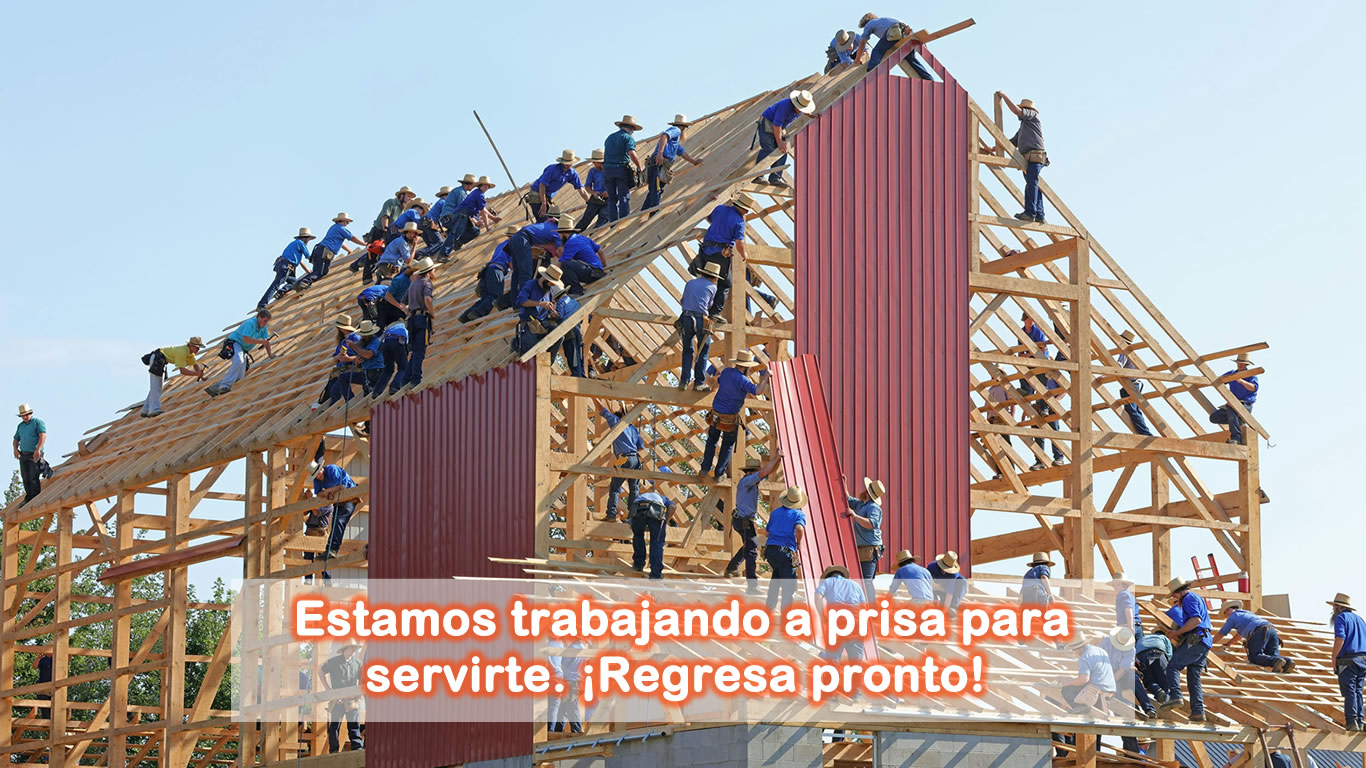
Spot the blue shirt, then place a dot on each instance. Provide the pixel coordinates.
(1349, 626)
(1245, 395)
(782, 526)
(865, 537)
(582, 248)
(336, 235)
(532, 291)
(397, 330)
(628, 441)
(342, 348)
(596, 181)
(747, 495)
(375, 360)
(1094, 662)
(456, 197)
(673, 135)
(27, 434)
(1243, 622)
(782, 113)
(566, 306)
(373, 293)
(616, 149)
(333, 476)
(951, 587)
(731, 387)
(249, 328)
(396, 252)
(844, 52)
(556, 175)
(543, 233)
(1036, 334)
(698, 294)
(1154, 640)
(1192, 606)
(473, 204)
(876, 27)
(727, 225)
(1030, 583)
(437, 208)
(500, 256)
(403, 218)
(916, 579)
(1124, 599)
(398, 287)
(839, 590)
(654, 497)
(294, 252)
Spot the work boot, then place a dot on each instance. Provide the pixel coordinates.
(1278, 665)
(1038, 465)
(777, 181)
(1197, 717)
(683, 386)
(1058, 462)
(701, 387)
(1288, 665)
(1172, 702)
(732, 573)
(1022, 216)
(1039, 220)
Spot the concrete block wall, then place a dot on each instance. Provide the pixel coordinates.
(735, 746)
(939, 750)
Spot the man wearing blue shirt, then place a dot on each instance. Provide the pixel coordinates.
(659, 166)
(865, 513)
(725, 232)
(723, 423)
(619, 155)
(555, 176)
(1132, 388)
(1349, 658)
(368, 300)
(491, 279)
(1034, 587)
(467, 219)
(1126, 607)
(536, 302)
(564, 706)
(393, 303)
(329, 480)
(786, 529)
(439, 207)
(580, 259)
(366, 362)
(454, 199)
(890, 33)
(1153, 651)
(1245, 389)
(840, 53)
(1195, 638)
(413, 213)
(397, 253)
(949, 585)
(333, 243)
(572, 340)
(247, 335)
(772, 132)
(698, 294)
(744, 516)
(1049, 384)
(914, 578)
(542, 235)
(285, 265)
(595, 183)
(1095, 676)
(627, 448)
(29, 438)
(1261, 639)
(393, 348)
(836, 588)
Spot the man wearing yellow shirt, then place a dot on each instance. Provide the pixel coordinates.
(183, 358)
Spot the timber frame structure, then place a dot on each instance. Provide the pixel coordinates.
(149, 495)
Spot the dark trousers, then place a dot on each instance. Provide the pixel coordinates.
(696, 348)
(1351, 673)
(727, 440)
(714, 253)
(768, 144)
(868, 570)
(491, 282)
(460, 231)
(351, 713)
(884, 46)
(628, 462)
(577, 274)
(565, 706)
(321, 259)
(419, 334)
(618, 179)
(1135, 413)
(594, 212)
(640, 526)
(427, 229)
(1226, 415)
(1264, 646)
(518, 250)
(572, 344)
(368, 310)
(1140, 693)
(1190, 658)
(749, 550)
(656, 190)
(30, 473)
(284, 278)
(386, 313)
(1152, 671)
(343, 386)
(1045, 411)
(341, 516)
(395, 351)
(784, 576)
(1033, 198)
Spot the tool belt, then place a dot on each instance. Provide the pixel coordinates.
(156, 363)
(318, 521)
(533, 199)
(665, 175)
(723, 422)
(595, 198)
(1342, 662)
(789, 551)
(704, 319)
(229, 346)
(1193, 637)
(869, 553)
(1036, 156)
(649, 509)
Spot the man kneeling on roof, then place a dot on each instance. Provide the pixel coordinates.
(538, 314)
(236, 347)
(490, 280)
(182, 357)
(1095, 680)
(1261, 639)
(580, 259)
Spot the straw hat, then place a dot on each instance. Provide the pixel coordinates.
(1122, 639)
(304, 234)
(552, 211)
(565, 223)
(743, 200)
(344, 323)
(510, 230)
(422, 266)
(1041, 558)
(752, 464)
(745, 359)
(408, 226)
(195, 341)
(948, 562)
(1342, 599)
(1119, 580)
(627, 121)
(1243, 359)
(420, 203)
(1079, 640)
(343, 218)
(905, 556)
(443, 191)
(803, 101)
(405, 190)
(367, 328)
(24, 410)
(842, 36)
(1128, 337)
(485, 181)
(793, 498)
(875, 488)
(597, 156)
(681, 120)
(710, 269)
(1177, 584)
(467, 179)
(867, 17)
(1231, 605)
(835, 569)
(1028, 104)
(552, 273)
(567, 157)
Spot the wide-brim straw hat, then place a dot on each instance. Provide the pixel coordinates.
(405, 190)
(195, 341)
(681, 120)
(305, 234)
(443, 191)
(597, 156)
(876, 490)
(367, 328)
(422, 266)
(1041, 558)
(1028, 104)
(803, 101)
(342, 218)
(1342, 599)
(752, 464)
(409, 226)
(1243, 359)
(1118, 580)
(567, 157)
(468, 178)
(485, 181)
(903, 557)
(552, 274)
(344, 323)
(627, 121)
(1122, 639)
(565, 223)
(24, 409)
(1128, 336)
(743, 200)
(793, 498)
(745, 359)
(510, 230)
(842, 36)
(948, 562)
(835, 569)
(1177, 584)
(1079, 640)
(420, 203)
(710, 269)
(1231, 605)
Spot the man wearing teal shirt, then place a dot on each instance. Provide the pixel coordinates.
(29, 439)
(241, 341)
(619, 149)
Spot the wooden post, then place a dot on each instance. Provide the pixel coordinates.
(1082, 452)
(545, 413)
(576, 502)
(123, 628)
(1249, 487)
(178, 744)
(9, 574)
(1162, 536)
(61, 639)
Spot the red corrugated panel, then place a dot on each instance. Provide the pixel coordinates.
(812, 463)
(882, 263)
(453, 482)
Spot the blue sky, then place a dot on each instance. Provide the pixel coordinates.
(157, 160)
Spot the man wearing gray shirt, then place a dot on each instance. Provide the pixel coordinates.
(1028, 141)
(865, 512)
(743, 518)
